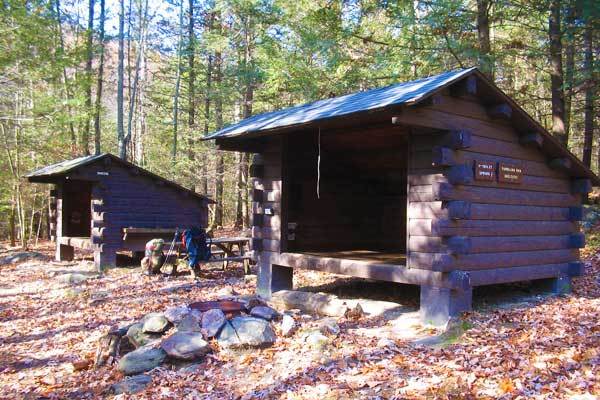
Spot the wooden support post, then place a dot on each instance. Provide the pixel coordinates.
(500, 111)
(533, 139)
(104, 258)
(64, 252)
(576, 268)
(272, 278)
(438, 304)
(562, 164)
(559, 285)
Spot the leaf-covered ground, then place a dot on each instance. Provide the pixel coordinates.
(535, 347)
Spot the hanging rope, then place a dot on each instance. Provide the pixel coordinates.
(319, 167)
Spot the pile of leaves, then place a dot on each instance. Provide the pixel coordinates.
(545, 348)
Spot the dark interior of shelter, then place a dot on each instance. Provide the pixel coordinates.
(76, 209)
(352, 204)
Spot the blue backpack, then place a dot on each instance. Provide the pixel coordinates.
(198, 245)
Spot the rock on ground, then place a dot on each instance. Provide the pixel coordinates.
(288, 325)
(141, 360)
(316, 340)
(329, 326)
(190, 323)
(176, 314)
(155, 323)
(74, 278)
(264, 312)
(131, 385)
(247, 331)
(212, 322)
(185, 346)
(138, 337)
(22, 256)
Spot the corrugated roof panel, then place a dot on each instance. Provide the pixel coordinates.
(400, 93)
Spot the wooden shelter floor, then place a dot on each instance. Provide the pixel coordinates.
(380, 257)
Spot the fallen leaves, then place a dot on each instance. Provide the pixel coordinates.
(546, 349)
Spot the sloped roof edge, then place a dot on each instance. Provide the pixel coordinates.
(397, 94)
(406, 93)
(62, 168)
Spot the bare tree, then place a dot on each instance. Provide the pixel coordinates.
(177, 85)
(67, 87)
(142, 34)
(88, 78)
(220, 162)
(98, 108)
(120, 75)
(191, 49)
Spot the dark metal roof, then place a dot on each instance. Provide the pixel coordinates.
(64, 166)
(55, 172)
(407, 93)
(400, 93)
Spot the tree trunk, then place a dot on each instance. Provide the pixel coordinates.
(138, 62)
(220, 163)
(120, 76)
(569, 65)
(483, 34)
(85, 139)
(588, 129)
(67, 89)
(97, 137)
(191, 80)
(177, 85)
(12, 226)
(207, 103)
(556, 73)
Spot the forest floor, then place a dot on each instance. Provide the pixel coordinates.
(517, 343)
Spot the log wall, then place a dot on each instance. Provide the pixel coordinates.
(457, 222)
(124, 197)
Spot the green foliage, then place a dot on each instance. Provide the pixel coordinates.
(286, 52)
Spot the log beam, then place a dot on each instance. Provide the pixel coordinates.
(582, 186)
(500, 111)
(561, 164)
(443, 157)
(533, 139)
(459, 174)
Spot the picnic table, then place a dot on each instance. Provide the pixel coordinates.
(227, 246)
(225, 249)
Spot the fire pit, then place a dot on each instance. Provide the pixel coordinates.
(227, 306)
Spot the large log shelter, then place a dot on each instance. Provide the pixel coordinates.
(102, 203)
(443, 182)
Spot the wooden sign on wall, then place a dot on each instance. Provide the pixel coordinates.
(485, 170)
(510, 173)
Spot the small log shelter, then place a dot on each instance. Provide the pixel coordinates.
(105, 204)
(443, 182)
